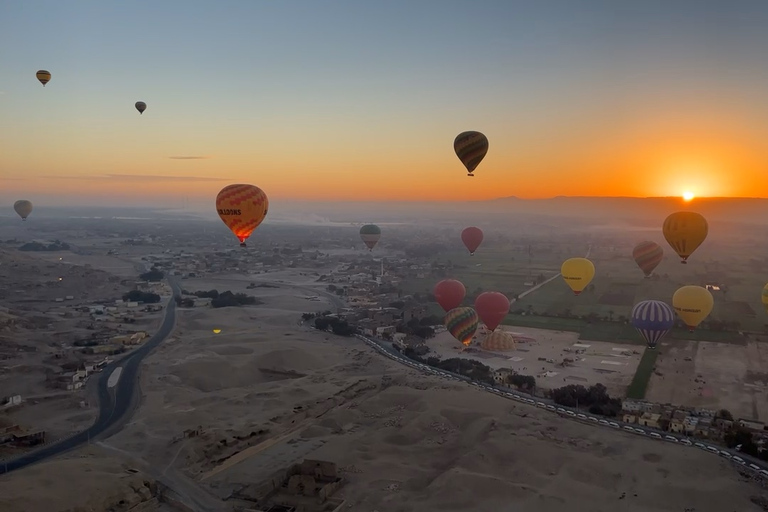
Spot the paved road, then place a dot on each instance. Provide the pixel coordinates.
(114, 402)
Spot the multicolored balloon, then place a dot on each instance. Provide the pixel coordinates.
(692, 304)
(685, 232)
(653, 319)
(43, 76)
(370, 234)
(449, 293)
(471, 147)
(578, 273)
(462, 324)
(23, 208)
(492, 307)
(141, 106)
(648, 255)
(242, 208)
(472, 238)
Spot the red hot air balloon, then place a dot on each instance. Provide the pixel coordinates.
(472, 238)
(449, 293)
(492, 307)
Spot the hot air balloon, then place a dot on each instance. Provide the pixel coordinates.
(242, 208)
(499, 341)
(370, 234)
(462, 324)
(577, 272)
(692, 304)
(216, 331)
(492, 307)
(472, 238)
(653, 319)
(471, 148)
(43, 76)
(23, 208)
(685, 232)
(449, 293)
(141, 106)
(648, 255)
(765, 297)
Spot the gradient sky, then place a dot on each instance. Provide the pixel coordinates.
(352, 99)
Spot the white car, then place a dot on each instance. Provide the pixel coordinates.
(561, 410)
(592, 418)
(551, 408)
(641, 431)
(754, 467)
(629, 429)
(581, 416)
(686, 441)
(603, 422)
(725, 454)
(655, 435)
(613, 424)
(541, 404)
(700, 445)
(671, 439)
(712, 449)
(570, 413)
(764, 473)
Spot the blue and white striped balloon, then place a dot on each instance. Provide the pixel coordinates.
(653, 319)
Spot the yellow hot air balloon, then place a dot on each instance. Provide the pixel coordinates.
(685, 232)
(692, 304)
(44, 76)
(23, 208)
(217, 331)
(765, 297)
(578, 273)
(242, 208)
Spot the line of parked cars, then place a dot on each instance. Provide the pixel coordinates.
(564, 411)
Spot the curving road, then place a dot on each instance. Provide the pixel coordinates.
(114, 401)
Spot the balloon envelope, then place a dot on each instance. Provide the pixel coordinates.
(141, 106)
(653, 319)
(23, 208)
(471, 147)
(498, 341)
(43, 76)
(492, 307)
(578, 273)
(692, 304)
(217, 331)
(462, 323)
(449, 293)
(648, 255)
(242, 208)
(685, 232)
(765, 297)
(472, 238)
(370, 234)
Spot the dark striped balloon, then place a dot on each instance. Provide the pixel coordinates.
(648, 255)
(471, 148)
(462, 323)
(653, 319)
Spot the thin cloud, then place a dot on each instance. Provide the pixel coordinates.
(190, 157)
(136, 177)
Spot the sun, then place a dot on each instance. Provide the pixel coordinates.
(687, 196)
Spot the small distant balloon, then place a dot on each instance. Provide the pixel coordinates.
(370, 235)
(43, 76)
(141, 106)
(242, 208)
(217, 331)
(449, 293)
(578, 273)
(472, 238)
(685, 232)
(462, 324)
(648, 255)
(23, 208)
(471, 147)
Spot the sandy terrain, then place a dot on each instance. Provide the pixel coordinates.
(405, 441)
(729, 377)
(604, 363)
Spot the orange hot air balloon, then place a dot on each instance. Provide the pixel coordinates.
(242, 208)
(472, 238)
(449, 293)
(492, 307)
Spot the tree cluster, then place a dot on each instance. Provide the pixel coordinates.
(56, 245)
(338, 326)
(595, 398)
(154, 275)
(229, 299)
(139, 296)
(522, 382)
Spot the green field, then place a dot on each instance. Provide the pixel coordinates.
(639, 384)
(618, 285)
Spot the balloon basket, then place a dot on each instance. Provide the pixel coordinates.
(242, 244)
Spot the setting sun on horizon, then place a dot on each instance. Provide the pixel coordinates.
(687, 196)
(356, 112)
